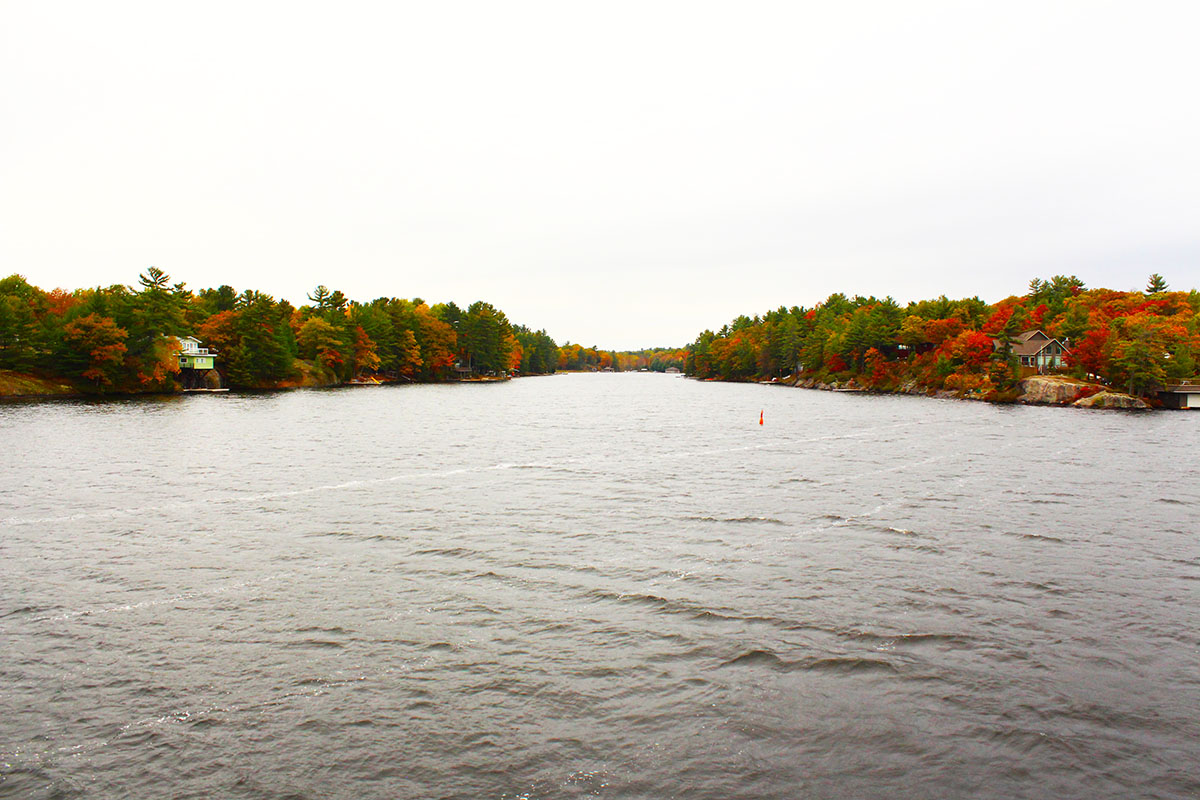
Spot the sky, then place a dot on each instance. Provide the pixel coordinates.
(621, 174)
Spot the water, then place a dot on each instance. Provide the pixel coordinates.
(596, 586)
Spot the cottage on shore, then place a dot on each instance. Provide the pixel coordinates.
(1181, 395)
(195, 363)
(1036, 352)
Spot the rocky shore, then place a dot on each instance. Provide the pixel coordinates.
(1054, 390)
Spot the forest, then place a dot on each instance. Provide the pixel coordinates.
(1133, 341)
(122, 339)
(125, 339)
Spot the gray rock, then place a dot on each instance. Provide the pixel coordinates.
(1111, 400)
(1049, 389)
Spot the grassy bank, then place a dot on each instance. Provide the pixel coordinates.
(18, 384)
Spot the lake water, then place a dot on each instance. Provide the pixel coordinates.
(614, 586)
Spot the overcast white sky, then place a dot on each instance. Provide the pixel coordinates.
(622, 174)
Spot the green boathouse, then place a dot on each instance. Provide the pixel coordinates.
(196, 363)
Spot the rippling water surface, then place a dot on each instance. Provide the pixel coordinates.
(596, 586)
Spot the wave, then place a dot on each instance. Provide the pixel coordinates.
(741, 520)
(1041, 587)
(911, 639)
(685, 607)
(836, 664)
(319, 643)
(1039, 536)
(23, 610)
(452, 552)
(900, 531)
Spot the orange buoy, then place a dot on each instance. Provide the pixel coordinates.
(760, 422)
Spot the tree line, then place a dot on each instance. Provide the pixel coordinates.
(1132, 340)
(657, 359)
(125, 339)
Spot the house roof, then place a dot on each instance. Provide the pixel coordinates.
(1030, 343)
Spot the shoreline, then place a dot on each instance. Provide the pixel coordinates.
(24, 386)
(1037, 390)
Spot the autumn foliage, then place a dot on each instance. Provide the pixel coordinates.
(125, 339)
(1130, 340)
(100, 343)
